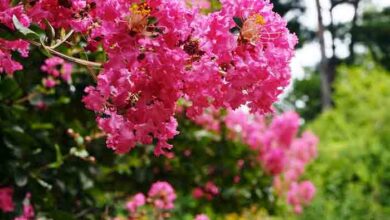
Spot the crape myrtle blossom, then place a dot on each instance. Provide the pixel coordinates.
(281, 153)
(160, 51)
(138, 200)
(6, 201)
(7, 204)
(201, 4)
(201, 217)
(160, 199)
(162, 195)
(300, 194)
(55, 68)
(28, 209)
(7, 64)
(68, 14)
(208, 191)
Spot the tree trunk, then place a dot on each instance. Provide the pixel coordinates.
(325, 85)
(353, 29)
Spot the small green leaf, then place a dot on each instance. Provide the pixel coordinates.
(22, 29)
(43, 126)
(50, 31)
(238, 21)
(59, 158)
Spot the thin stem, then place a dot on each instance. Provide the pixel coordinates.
(63, 40)
(69, 58)
(25, 98)
(92, 73)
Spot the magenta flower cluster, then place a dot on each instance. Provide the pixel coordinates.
(160, 51)
(56, 68)
(281, 153)
(6, 201)
(161, 196)
(7, 204)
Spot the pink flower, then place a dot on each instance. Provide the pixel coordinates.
(201, 217)
(201, 4)
(6, 202)
(307, 191)
(49, 82)
(197, 193)
(236, 179)
(281, 153)
(137, 201)
(211, 188)
(62, 14)
(57, 67)
(300, 194)
(274, 161)
(28, 209)
(162, 195)
(7, 64)
(284, 128)
(208, 120)
(198, 59)
(7, 13)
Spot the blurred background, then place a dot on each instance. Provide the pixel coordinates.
(341, 88)
(50, 145)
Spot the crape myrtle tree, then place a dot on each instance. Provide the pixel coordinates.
(159, 83)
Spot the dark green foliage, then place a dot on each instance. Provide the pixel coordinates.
(306, 96)
(374, 33)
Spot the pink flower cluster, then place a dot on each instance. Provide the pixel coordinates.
(6, 201)
(138, 200)
(209, 120)
(201, 4)
(56, 67)
(208, 191)
(161, 196)
(7, 204)
(28, 209)
(300, 194)
(161, 50)
(281, 153)
(201, 217)
(67, 14)
(7, 64)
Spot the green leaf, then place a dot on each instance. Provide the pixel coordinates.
(238, 21)
(43, 126)
(50, 31)
(24, 30)
(9, 89)
(59, 158)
